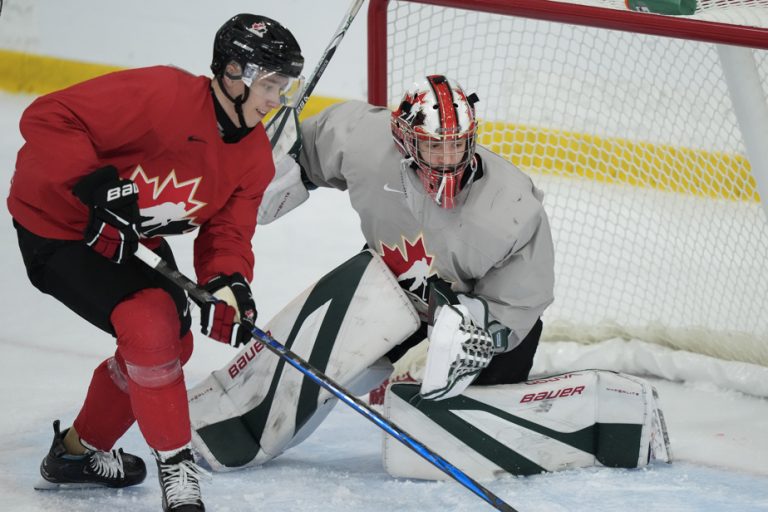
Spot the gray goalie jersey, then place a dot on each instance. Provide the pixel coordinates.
(496, 246)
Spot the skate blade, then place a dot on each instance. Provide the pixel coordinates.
(45, 485)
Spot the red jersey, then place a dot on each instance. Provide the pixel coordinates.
(158, 127)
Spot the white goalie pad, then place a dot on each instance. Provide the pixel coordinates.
(286, 190)
(573, 420)
(257, 406)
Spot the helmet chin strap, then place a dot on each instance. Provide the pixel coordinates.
(237, 102)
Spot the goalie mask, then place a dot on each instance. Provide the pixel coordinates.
(435, 128)
(265, 51)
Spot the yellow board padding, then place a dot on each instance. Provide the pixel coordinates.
(37, 74)
(614, 160)
(535, 149)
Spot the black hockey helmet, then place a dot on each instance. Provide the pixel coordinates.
(250, 38)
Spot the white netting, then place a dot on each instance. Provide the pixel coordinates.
(658, 227)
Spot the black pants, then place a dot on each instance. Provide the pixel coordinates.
(89, 284)
(507, 368)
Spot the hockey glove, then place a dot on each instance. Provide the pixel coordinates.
(228, 318)
(458, 351)
(113, 218)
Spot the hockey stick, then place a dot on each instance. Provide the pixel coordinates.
(202, 295)
(284, 115)
(328, 53)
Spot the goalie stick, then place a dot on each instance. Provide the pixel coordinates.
(201, 295)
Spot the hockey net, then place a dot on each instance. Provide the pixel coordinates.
(633, 136)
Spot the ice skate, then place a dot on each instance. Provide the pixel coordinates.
(180, 482)
(94, 468)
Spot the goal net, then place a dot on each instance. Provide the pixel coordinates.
(648, 136)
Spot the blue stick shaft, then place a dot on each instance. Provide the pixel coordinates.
(326, 382)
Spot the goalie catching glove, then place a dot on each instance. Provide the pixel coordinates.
(458, 351)
(227, 318)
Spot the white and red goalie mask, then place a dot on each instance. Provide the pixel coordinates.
(435, 126)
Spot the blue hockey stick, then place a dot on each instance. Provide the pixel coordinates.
(201, 295)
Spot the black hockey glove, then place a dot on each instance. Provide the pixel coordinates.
(114, 218)
(229, 318)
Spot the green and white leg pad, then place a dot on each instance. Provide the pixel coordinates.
(257, 406)
(573, 420)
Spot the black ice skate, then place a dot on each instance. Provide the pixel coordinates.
(180, 481)
(95, 468)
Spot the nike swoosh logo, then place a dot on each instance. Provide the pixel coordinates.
(390, 189)
(193, 138)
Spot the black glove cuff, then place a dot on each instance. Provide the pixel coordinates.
(88, 184)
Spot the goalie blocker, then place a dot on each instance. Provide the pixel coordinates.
(572, 420)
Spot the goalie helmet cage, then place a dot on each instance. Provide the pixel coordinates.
(640, 129)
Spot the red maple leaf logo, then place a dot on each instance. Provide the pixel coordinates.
(166, 202)
(414, 259)
(419, 97)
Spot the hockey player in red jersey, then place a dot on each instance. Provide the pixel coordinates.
(130, 158)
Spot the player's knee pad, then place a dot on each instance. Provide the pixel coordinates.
(118, 371)
(157, 375)
(342, 325)
(147, 328)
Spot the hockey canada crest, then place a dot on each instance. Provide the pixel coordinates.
(166, 207)
(258, 28)
(412, 266)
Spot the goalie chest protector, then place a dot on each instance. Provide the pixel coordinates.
(578, 419)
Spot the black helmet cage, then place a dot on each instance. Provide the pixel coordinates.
(249, 38)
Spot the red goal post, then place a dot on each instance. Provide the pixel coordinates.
(649, 136)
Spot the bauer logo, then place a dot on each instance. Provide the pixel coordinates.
(245, 358)
(549, 395)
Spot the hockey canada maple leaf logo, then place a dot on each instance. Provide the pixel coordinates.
(258, 28)
(166, 208)
(412, 268)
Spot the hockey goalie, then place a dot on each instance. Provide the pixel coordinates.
(458, 271)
